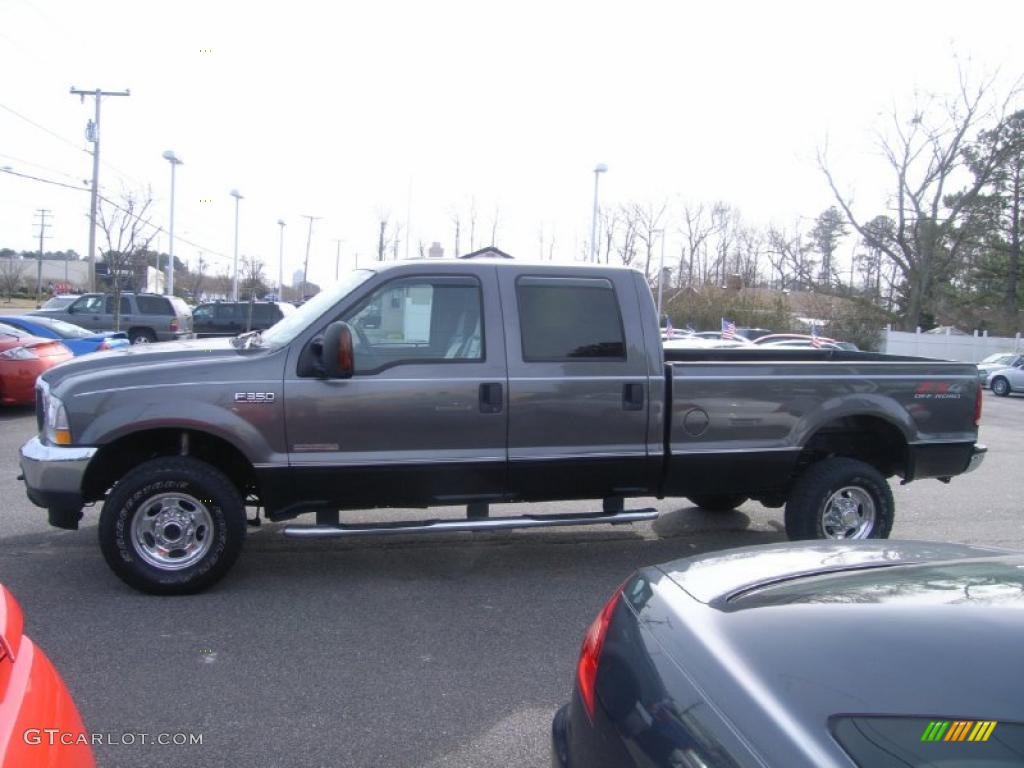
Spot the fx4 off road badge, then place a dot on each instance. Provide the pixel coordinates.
(938, 390)
(254, 397)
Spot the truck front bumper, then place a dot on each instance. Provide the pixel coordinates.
(53, 479)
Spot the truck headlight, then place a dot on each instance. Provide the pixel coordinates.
(57, 430)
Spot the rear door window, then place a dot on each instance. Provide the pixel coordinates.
(126, 307)
(154, 305)
(568, 319)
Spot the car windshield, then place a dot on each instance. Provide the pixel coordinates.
(58, 302)
(62, 329)
(1001, 358)
(291, 325)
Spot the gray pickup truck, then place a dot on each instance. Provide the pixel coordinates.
(473, 382)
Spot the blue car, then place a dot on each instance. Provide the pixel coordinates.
(79, 340)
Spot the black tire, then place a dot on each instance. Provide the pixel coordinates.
(141, 336)
(718, 502)
(816, 487)
(1000, 387)
(171, 485)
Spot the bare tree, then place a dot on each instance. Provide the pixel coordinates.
(128, 230)
(789, 255)
(696, 230)
(648, 218)
(12, 271)
(494, 226)
(196, 279)
(472, 224)
(252, 283)
(925, 152)
(626, 246)
(609, 220)
(454, 214)
(382, 242)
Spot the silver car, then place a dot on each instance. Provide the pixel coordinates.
(997, 362)
(1007, 380)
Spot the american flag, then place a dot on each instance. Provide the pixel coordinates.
(728, 329)
(815, 338)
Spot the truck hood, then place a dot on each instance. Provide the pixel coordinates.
(115, 362)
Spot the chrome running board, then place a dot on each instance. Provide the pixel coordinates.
(486, 524)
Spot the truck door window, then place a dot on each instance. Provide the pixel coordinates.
(569, 319)
(125, 306)
(416, 321)
(91, 304)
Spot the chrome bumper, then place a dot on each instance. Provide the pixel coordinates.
(977, 456)
(53, 474)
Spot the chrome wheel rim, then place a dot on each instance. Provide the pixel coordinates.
(172, 531)
(141, 339)
(999, 386)
(849, 513)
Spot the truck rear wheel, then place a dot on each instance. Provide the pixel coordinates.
(718, 502)
(840, 498)
(172, 526)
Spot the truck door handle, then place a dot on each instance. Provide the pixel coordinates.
(492, 399)
(632, 396)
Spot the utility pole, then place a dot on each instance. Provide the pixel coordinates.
(337, 261)
(92, 133)
(43, 226)
(309, 239)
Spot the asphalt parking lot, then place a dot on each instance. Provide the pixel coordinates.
(450, 650)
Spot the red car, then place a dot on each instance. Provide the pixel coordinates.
(22, 358)
(39, 723)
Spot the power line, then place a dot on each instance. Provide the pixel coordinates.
(44, 181)
(43, 128)
(37, 165)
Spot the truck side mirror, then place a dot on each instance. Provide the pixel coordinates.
(336, 352)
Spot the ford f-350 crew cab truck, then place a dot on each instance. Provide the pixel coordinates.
(475, 381)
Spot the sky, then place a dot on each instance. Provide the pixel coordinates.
(346, 110)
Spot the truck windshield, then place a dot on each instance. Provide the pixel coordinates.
(291, 325)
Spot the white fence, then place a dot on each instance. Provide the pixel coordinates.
(947, 346)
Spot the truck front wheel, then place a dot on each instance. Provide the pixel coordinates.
(718, 502)
(840, 498)
(172, 526)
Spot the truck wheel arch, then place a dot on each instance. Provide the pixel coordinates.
(874, 440)
(115, 459)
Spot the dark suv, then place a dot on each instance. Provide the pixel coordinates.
(230, 318)
(145, 317)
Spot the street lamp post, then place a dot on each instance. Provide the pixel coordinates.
(175, 161)
(280, 264)
(598, 170)
(661, 272)
(234, 285)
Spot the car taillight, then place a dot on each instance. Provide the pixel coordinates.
(174, 326)
(978, 399)
(105, 344)
(590, 653)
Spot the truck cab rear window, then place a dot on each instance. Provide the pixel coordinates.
(569, 319)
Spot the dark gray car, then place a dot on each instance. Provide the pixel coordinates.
(881, 654)
(145, 317)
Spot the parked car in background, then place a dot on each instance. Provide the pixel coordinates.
(996, 362)
(1006, 380)
(778, 338)
(80, 341)
(22, 358)
(38, 717)
(145, 317)
(800, 344)
(59, 302)
(230, 318)
(805, 656)
(717, 336)
(753, 333)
